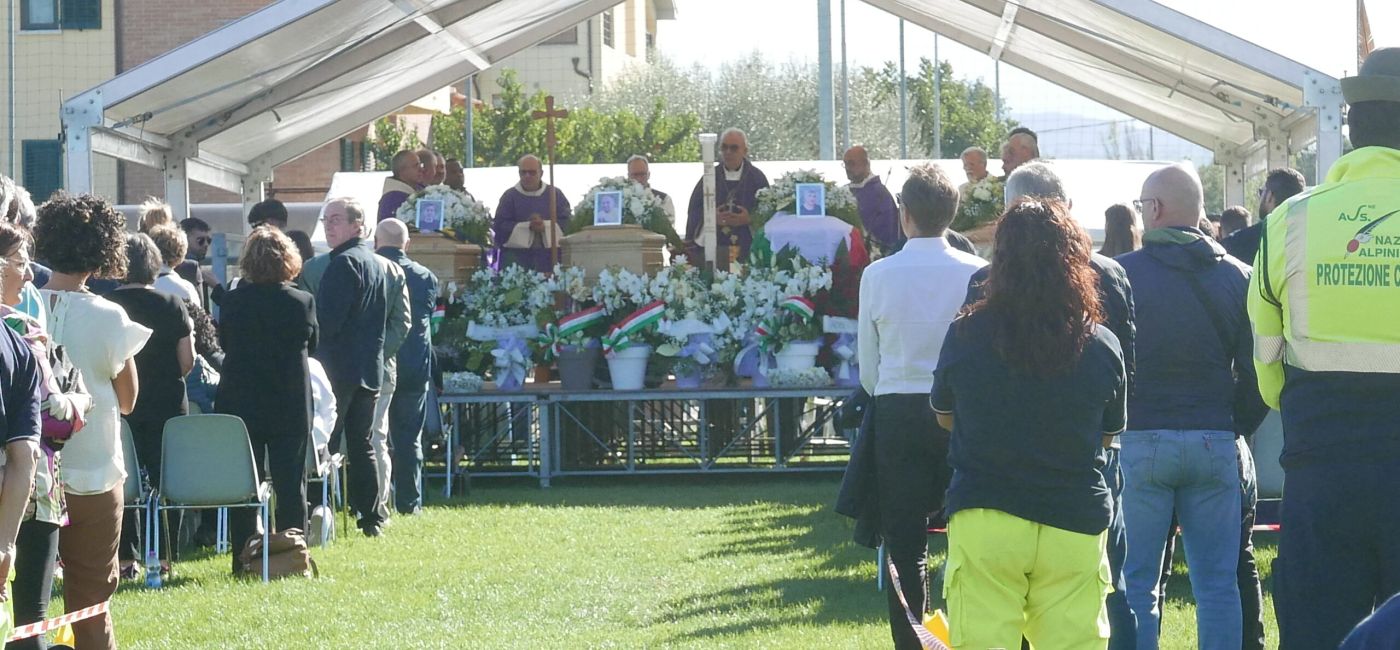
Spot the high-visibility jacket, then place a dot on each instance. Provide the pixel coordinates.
(1324, 298)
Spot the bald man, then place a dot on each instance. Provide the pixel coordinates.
(878, 212)
(407, 410)
(401, 183)
(521, 224)
(1194, 400)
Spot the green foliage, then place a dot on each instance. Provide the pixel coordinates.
(507, 131)
(390, 138)
(968, 107)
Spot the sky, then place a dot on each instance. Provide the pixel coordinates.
(1318, 33)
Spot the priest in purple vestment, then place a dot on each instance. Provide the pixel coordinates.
(401, 184)
(737, 183)
(521, 224)
(878, 212)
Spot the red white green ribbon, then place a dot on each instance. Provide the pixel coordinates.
(551, 341)
(802, 307)
(438, 315)
(619, 337)
(579, 320)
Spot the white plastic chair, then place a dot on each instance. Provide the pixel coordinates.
(207, 462)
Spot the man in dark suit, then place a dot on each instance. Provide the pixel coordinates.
(352, 305)
(408, 410)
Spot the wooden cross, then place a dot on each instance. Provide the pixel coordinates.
(548, 115)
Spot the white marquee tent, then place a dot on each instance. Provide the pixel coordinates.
(228, 107)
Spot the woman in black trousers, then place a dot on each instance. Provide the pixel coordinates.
(161, 367)
(268, 329)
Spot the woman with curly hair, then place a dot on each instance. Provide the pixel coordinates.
(1032, 386)
(80, 236)
(268, 328)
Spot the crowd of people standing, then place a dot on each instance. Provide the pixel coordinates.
(1083, 407)
(108, 329)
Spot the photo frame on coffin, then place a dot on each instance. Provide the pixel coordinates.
(811, 200)
(607, 209)
(428, 215)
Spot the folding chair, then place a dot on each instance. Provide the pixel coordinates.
(136, 494)
(207, 462)
(327, 473)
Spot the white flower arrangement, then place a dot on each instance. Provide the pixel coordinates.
(980, 204)
(463, 216)
(805, 378)
(506, 298)
(569, 280)
(640, 206)
(462, 382)
(781, 195)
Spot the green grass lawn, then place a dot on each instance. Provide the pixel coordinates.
(713, 562)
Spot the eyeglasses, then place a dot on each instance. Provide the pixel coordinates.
(334, 221)
(529, 172)
(203, 241)
(731, 147)
(1137, 204)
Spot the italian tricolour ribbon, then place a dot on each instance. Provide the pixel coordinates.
(35, 629)
(552, 340)
(619, 337)
(804, 308)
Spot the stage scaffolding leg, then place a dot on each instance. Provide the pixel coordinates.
(546, 419)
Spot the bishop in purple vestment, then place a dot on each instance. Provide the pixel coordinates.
(737, 183)
(878, 212)
(521, 224)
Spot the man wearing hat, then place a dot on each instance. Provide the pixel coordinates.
(1325, 305)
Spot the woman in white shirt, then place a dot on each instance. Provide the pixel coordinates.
(80, 236)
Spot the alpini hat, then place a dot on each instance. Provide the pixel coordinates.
(1379, 79)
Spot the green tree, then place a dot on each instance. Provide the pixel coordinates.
(390, 138)
(505, 132)
(968, 108)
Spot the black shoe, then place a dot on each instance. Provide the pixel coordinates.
(372, 530)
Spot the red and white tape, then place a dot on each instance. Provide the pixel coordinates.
(35, 629)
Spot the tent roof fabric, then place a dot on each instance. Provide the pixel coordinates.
(296, 74)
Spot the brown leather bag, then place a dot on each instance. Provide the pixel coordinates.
(288, 556)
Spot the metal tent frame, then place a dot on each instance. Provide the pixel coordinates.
(228, 107)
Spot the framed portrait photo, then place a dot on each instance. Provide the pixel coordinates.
(811, 199)
(427, 215)
(607, 209)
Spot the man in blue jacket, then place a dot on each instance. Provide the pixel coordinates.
(1194, 397)
(408, 410)
(352, 305)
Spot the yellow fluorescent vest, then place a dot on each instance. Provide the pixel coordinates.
(1325, 293)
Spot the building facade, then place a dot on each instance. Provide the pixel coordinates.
(573, 63)
(63, 47)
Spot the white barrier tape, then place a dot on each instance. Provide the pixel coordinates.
(35, 629)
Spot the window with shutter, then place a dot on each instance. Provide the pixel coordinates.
(82, 14)
(608, 28)
(38, 15)
(347, 155)
(43, 167)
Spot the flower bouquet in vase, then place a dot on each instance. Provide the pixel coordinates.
(632, 316)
